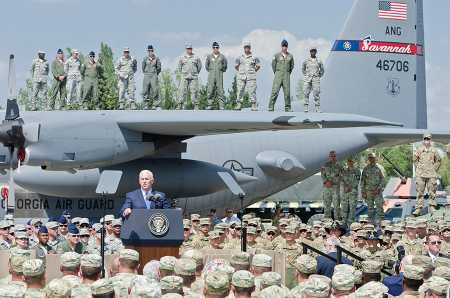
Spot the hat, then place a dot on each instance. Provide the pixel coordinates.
(195, 216)
(271, 279)
(176, 295)
(251, 231)
(167, 263)
(73, 229)
(70, 259)
(4, 224)
(76, 220)
(188, 46)
(171, 283)
(290, 229)
(126, 49)
(240, 258)
(247, 44)
(185, 267)
(58, 288)
(243, 279)
(215, 44)
(344, 268)
(149, 47)
(204, 221)
(222, 226)
(108, 217)
(283, 222)
(142, 287)
(355, 226)
(274, 291)
(43, 230)
(16, 261)
(423, 261)
(317, 224)
(91, 54)
(84, 232)
(442, 271)
(34, 267)
(62, 220)
(413, 272)
(427, 135)
(342, 281)
(59, 51)
(306, 264)
(371, 289)
(284, 43)
(51, 224)
(102, 286)
(194, 254)
(370, 266)
(129, 254)
(41, 52)
(116, 222)
(91, 260)
(21, 235)
(435, 284)
(213, 235)
(410, 224)
(313, 49)
(262, 260)
(316, 287)
(217, 283)
(84, 221)
(371, 155)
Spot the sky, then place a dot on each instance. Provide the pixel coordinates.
(30, 25)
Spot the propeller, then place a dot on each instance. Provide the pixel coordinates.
(11, 131)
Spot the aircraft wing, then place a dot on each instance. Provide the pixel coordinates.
(194, 123)
(385, 137)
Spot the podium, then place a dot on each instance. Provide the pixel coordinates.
(154, 233)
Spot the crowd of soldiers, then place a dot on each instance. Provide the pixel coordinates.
(76, 83)
(341, 184)
(416, 251)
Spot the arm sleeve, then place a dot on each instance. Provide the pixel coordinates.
(437, 161)
(224, 64)
(144, 62)
(304, 68)
(158, 66)
(322, 69)
(82, 70)
(291, 68)
(274, 63)
(199, 65)
(207, 63)
(126, 204)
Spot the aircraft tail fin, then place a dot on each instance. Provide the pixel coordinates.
(377, 65)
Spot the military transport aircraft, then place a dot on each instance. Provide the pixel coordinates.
(376, 68)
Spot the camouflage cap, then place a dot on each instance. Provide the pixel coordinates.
(20, 228)
(397, 237)
(91, 260)
(435, 284)
(75, 51)
(4, 224)
(84, 221)
(16, 261)
(102, 286)
(171, 283)
(253, 221)
(290, 229)
(316, 287)
(306, 264)
(361, 234)
(167, 263)
(33, 267)
(413, 272)
(144, 289)
(185, 267)
(205, 221)
(58, 288)
(370, 266)
(344, 268)
(371, 289)
(342, 281)
(52, 224)
(270, 229)
(240, 258)
(442, 271)
(251, 231)
(116, 222)
(262, 260)
(371, 155)
(222, 226)
(274, 291)
(271, 279)
(243, 279)
(84, 232)
(97, 227)
(21, 235)
(355, 226)
(246, 44)
(129, 254)
(213, 235)
(194, 254)
(423, 261)
(363, 218)
(173, 295)
(317, 224)
(126, 49)
(195, 216)
(427, 135)
(411, 224)
(247, 217)
(283, 222)
(108, 217)
(186, 222)
(217, 283)
(357, 276)
(12, 291)
(70, 259)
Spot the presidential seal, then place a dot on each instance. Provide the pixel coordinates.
(158, 224)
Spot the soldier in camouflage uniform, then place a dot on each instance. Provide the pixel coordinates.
(412, 244)
(151, 68)
(243, 283)
(5, 242)
(34, 277)
(247, 66)
(70, 267)
(412, 278)
(292, 251)
(312, 70)
(126, 67)
(372, 183)
(189, 67)
(350, 181)
(216, 65)
(113, 243)
(201, 240)
(129, 264)
(39, 74)
(52, 228)
(91, 71)
(331, 175)
(282, 66)
(72, 69)
(427, 162)
(72, 243)
(42, 248)
(58, 288)
(305, 265)
(58, 90)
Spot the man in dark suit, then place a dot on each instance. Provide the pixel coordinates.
(326, 266)
(145, 197)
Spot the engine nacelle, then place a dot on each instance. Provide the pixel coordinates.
(5, 159)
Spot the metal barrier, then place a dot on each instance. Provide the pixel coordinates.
(339, 251)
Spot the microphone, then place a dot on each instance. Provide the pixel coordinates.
(156, 197)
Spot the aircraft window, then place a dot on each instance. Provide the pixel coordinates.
(69, 156)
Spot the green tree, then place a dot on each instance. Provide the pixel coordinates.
(167, 90)
(108, 91)
(24, 94)
(299, 91)
(232, 95)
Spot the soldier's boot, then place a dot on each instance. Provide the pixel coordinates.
(254, 106)
(238, 106)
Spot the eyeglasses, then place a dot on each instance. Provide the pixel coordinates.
(84, 236)
(107, 223)
(75, 236)
(54, 229)
(435, 242)
(426, 139)
(116, 227)
(271, 234)
(215, 47)
(63, 225)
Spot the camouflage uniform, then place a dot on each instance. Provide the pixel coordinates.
(292, 251)
(189, 67)
(372, 181)
(331, 171)
(151, 67)
(34, 268)
(427, 162)
(313, 70)
(199, 241)
(39, 74)
(282, 66)
(125, 70)
(72, 68)
(113, 244)
(42, 250)
(246, 78)
(350, 181)
(215, 66)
